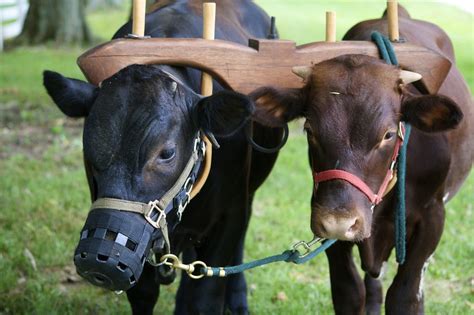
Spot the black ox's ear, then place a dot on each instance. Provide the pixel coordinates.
(223, 113)
(431, 113)
(73, 97)
(276, 107)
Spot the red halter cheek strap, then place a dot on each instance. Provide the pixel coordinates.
(375, 198)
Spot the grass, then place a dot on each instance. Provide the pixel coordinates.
(44, 195)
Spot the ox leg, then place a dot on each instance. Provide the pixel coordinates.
(144, 294)
(236, 293)
(374, 295)
(347, 288)
(405, 295)
(208, 295)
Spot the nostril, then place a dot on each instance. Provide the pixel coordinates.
(322, 228)
(99, 279)
(354, 227)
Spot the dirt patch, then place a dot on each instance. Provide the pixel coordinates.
(30, 132)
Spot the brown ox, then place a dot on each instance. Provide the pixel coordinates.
(352, 105)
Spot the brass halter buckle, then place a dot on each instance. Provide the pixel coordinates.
(188, 186)
(154, 206)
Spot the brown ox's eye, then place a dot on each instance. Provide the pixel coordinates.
(167, 154)
(389, 135)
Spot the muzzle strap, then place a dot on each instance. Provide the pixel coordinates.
(388, 181)
(348, 177)
(122, 205)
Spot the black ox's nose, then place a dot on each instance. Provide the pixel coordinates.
(113, 248)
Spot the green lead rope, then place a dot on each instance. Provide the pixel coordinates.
(287, 256)
(388, 54)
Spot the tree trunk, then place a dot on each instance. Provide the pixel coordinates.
(61, 21)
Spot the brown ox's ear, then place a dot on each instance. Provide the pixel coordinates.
(431, 113)
(275, 107)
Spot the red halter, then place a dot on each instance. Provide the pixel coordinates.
(375, 198)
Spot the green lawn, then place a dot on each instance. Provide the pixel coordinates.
(44, 196)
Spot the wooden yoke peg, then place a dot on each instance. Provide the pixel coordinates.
(330, 26)
(392, 16)
(208, 32)
(138, 21)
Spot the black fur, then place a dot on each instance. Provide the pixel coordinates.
(224, 113)
(73, 97)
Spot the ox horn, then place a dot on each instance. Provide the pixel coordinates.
(409, 77)
(302, 71)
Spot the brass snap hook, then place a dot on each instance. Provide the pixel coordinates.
(306, 246)
(174, 262)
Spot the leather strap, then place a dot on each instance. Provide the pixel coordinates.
(122, 205)
(388, 181)
(182, 186)
(348, 177)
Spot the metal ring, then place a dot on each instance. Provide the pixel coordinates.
(198, 263)
(197, 140)
(188, 185)
(174, 258)
(263, 149)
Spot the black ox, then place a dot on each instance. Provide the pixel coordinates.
(139, 133)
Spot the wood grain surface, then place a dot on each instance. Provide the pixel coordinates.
(242, 68)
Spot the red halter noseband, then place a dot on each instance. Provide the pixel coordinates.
(375, 198)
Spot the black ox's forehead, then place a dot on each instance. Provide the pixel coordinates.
(136, 101)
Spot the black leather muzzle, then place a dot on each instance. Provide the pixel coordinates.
(113, 248)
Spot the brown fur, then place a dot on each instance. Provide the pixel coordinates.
(346, 130)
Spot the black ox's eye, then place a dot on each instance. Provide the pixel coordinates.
(167, 154)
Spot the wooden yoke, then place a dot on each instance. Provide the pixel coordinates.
(241, 68)
(263, 63)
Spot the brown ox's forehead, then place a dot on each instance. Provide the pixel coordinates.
(356, 75)
(353, 97)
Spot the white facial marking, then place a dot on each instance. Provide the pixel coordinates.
(334, 93)
(383, 270)
(419, 295)
(174, 86)
(445, 197)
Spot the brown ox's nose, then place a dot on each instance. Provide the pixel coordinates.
(342, 225)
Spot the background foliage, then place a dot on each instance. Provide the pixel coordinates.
(44, 196)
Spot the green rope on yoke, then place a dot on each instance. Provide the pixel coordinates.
(400, 216)
(388, 54)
